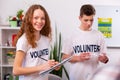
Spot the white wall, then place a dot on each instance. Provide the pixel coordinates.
(64, 13)
(60, 11)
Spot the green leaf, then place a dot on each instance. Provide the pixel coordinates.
(66, 73)
(56, 54)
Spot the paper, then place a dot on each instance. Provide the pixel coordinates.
(59, 64)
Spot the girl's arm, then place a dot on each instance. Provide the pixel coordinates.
(19, 70)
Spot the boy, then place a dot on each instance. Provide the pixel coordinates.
(87, 46)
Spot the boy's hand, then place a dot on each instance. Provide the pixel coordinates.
(103, 58)
(84, 56)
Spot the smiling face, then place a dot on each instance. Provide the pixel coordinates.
(86, 22)
(38, 20)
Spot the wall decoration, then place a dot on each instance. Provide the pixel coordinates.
(105, 26)
(107, 20)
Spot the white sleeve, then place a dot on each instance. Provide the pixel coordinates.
(103, 44)
(67, 46)
(22, 44)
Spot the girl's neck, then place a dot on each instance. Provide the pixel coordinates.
(37, 34)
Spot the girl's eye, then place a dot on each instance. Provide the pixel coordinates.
(43, 18)
(35, 17)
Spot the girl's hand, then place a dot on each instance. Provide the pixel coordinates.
(48, 64)
(58, 67)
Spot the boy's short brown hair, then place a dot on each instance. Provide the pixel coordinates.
(87, 9)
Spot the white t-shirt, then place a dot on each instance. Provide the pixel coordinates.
(84, 41)
(33, 55)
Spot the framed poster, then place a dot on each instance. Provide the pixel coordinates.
(107, 20)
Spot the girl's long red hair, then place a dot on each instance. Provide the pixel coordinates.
(28, 29)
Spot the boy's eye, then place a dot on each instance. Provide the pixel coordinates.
(86, 20)
(91, 20)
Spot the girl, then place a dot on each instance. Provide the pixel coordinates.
(32, 45)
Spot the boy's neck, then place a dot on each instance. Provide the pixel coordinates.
(83, 29)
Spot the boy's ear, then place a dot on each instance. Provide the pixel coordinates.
(79, 17)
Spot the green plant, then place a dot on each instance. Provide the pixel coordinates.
(11, 54)
(16, 20)
(10, 57)
(20, 14)
(12, 18)
(56, 54)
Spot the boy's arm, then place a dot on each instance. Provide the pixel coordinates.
(77, 58)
